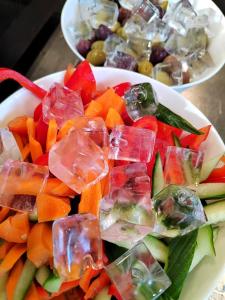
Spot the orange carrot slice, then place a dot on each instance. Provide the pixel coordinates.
(51, 135)
(105, 180)
(19, 141)
(97, 285)
(32, 293)
(35, 148)
(51, 208)
(65, 129)
(90, 200)
(69, 71)
(13, 279)
(12, 257)
(25, 151)
(30, 127)
(4, 248)
(18, 125)
(4, 211)
(113, 119)
(86, 278)
(94, 109)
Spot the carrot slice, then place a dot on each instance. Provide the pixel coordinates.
(32, 293)
(105, 180)
(13, 279)
(109, 99)
(51, 135)
(97, 285)
(65, 129)
(69, 71)
(30, 127)
(39, 244)
(19, 141)
(113, 119)
(12, 257)
(86, 278)
(18, 125)
(90, 199)
(3, 213)
(35, 148)
(25, 151)
(51, 208)
(15, 228)
(94, 109)
(4, 248)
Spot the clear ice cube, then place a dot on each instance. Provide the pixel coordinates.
(20, 182)
(126, 213)
(62, 104)
(141, 100)
(131, 144)
(183, 166)
(8, 146)
(112, 42)
(121, 60)
(99, 12)
(81, 30)
(146, 9)
(129, 4)
(174, 71)
(157, 31)
(77, 245)
(135, 27)
(78, 161)
(137, 275)
(201, 65)
(177, 208)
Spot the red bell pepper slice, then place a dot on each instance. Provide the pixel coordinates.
(41, 132)
(147, 122)
(126, 118)
(173, 170)
(122, 88)
(42, 160)
(215, 180)
(112, 291)
(69, 72)
(83, 80)
(38, 112)
(6, 73)
(194, 141)
(217, 173)
(166, 132)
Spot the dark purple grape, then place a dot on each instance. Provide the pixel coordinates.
(158, 54)
(123, 61)
(83, 47)
(124, 15)
(102, 33)
(161, 11)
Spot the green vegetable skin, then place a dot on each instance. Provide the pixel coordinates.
(158, 181)
(3, 280)
(53, 283)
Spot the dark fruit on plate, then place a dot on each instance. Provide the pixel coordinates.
(158, 54)
(83, 47)
(102, 33)
(124, 15)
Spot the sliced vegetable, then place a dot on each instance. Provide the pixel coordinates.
(52, 134)
(94, 109)
(147, 122)
(3, 280)
(38, 112)
(42, 160)
(97, 286)
(158, 248)
(13, 279)
(122, 88)
(25, 151)
(53, 283)
(113, 292)
(90, 199)
(158, 181)
(215, 212)
(3, 213)
(42, 275)
(18, 125)
(167, 132)
(176, 141)
(69, 72)
(4, 248)
(19, 141)
(194, 141)
(113, 119)
(211, 191)
(41, 132)
(65, 129)
(208, 166)
(32, 293)
(35, 149)
(86, 278)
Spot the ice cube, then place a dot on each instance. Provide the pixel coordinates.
(112, 42)
(175, 72)
(129, 4)
(121, 60)
(126, 213)
(96, 129)
(178, 15)
(8, 146)
(99, 12)
(200, 65)
(137, 275)
(147, 10)
(135, 27)
(157, 31)
(20, 182)
(78, 161)
(62, 104)
(81, 30)
(141, 100)
(178, 208)
(131, 144)
(76, 245)
(183, 166)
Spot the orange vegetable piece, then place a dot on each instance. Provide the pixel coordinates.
(3, 213)
(25, 151)
(105, 180)
(51, 208)
(51, 134)
(18, 125)
(66, 286)
(113, 119)
(39, 244)
(35, 148)
(65, 129)
(109, 99)
(4, 248)
(56, 187)
(69, 71)
(97, 285)
(15, 228)
(32, 293)
(94, 109)
(90, 199)
(30, 127)
(12, 257)
(13, 279)
(19, 141)
(86, 278)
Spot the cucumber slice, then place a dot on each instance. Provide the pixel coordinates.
(25, 280)
(103, 295)
(3, 281)
(33, 216)
(53, 283)
(215, 212)
(187, 171)
(207, 191)
(42, 275)
(158, 181)
(208, 166)
(205, 245)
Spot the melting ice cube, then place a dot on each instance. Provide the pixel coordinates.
(8, 146)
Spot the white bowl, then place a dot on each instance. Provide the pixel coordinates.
(71, 12)
(211, 270)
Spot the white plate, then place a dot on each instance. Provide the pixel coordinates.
(70, 17)
(23, 103)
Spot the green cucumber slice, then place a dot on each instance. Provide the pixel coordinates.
(3, 281)
(53, 283)
(25, 280)
(42, 275)
(103, 295)
(208, 166)
(158, 181)
(205, 245)
(215, 212)
(188, 171)
(33, 216)
(207, 191)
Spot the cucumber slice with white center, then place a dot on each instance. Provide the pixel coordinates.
(208, 166)
(158, 181)
(215, 212)
(207, 191)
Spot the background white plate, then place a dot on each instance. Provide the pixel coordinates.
(206, 276)
(70, 17)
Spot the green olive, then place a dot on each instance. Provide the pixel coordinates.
(96, 57)
(98, 45)
(164, 5)
(145, 67)
(164, 78)
(121, 32)
(116, 26)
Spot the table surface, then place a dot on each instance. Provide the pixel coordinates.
(209, 97)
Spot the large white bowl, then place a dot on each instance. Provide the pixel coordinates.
(70, 16)
(205, 277)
